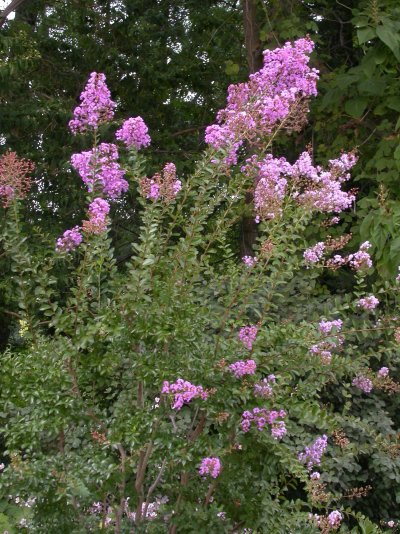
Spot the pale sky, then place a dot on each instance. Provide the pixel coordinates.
(3, 4)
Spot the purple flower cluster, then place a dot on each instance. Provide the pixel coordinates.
(326, 326)
(249, 261)
(368, 303)
(270, 184)
(264, 389)
(363, 383)
(210, 466)
(315, 253)
(183, 392)
(270, 95)
(261, 417)
(242, 368)
(96, 105)
(335, 518)
(329, 522)
(248, 335)
(315, 188)
(383, 372)
(361, 259)
(69, 240)
(134, 133)
(99, 168)
(98, 211)
(312, 454)
(323, 188)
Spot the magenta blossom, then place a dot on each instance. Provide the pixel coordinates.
(242, 368)
(99, 169)
(134, 133)
(183, 392)
(69, 240)
(96, 105)
(210, 466)
(247, 336)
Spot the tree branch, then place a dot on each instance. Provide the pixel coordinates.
(9, 9)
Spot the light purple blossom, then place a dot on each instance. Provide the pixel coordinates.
(69, 240)
(264, 389)
(249, 261)
(361, 260)
(383, 372)
(134, 133)
(253, 108)
(98, 211)
(261, 417)
(210, 466)
(247, 336)
(312, 454)
(335, 518)
(368, 303)
(363, 383)
(242, 368)
(96, 105)
(327, 326)
(315, 253)
(183, 392)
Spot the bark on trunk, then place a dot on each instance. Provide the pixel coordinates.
(248, 228)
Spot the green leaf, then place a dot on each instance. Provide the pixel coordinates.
(356, 107)
(390, 39)
(365, 34)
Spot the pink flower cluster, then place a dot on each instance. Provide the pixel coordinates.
(368, 303)
(210, 466)
(326, 326)
(96, 105)
(165, 186)
(98, 211)
(261, 417)
(264, 389)
(363, 383)
(248, 335)
(134, 133)
(242, 368)
(312, 454)
(183, 392)
(315, 253)
(361, 259)
(99, 168)
(270, 95)
(69, 240)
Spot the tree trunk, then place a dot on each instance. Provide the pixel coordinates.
(248, 228)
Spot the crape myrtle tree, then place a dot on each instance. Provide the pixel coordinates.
(183, 392)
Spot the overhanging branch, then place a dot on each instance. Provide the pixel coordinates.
(9, 9)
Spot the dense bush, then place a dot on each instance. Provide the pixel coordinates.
(188, 389)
